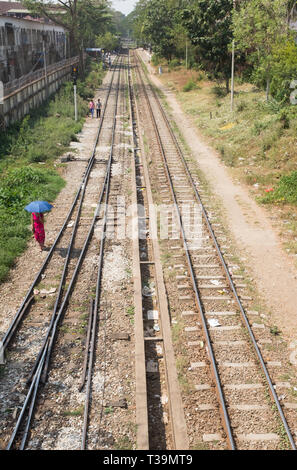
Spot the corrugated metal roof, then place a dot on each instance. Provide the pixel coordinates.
(6, 7)
(15, 10)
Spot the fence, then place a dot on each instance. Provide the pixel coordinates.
(30, 91)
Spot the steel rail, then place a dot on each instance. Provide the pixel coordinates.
(74, 276)
(229, 278)
(28, 397)
(22, 311)
(98, 283)
(89, 331)
(227, 273)
(49, 345)
(33, 402)
(23, 308)
(141, 395)
(219, 389)
(176, 409)
(74, 232)
(41, 373)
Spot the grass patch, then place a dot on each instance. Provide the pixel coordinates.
(285, 192)
(257, 136)
(189, 86)
(38, 139)
(17, 189)
(181, 366)
(274, 330)
(130, 312)
(108, 410)
(124, 443)
(77, 412)
(199, 445)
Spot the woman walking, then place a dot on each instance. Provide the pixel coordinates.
(38, 228)
(92, 108)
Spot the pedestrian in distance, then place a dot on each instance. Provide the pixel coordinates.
(38, 228)
(91, 108)
(98, 108)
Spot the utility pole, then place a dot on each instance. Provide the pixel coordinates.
(186, 53)
(233, 66)
(65, 46)
(74, 77)
(75, 103)
(45, 64)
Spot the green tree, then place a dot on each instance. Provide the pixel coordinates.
(291, 10)
(108, 41)
(119, 23)
(158, 27)
(260, 26)
(135, 21)
(95, 17)
(208, 23)
(283, 68)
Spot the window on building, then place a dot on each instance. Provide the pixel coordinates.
(9, 34)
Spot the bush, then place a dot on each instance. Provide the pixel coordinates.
(201, 76)
(219, 92)
(36, 155)
(173, 64)
(241, 106)
(155, 60)
(286, 191)
(189, 86)
(4, 270)
(284, 70)
(259, 126)
(20, 176)
(287, 115)
(20, 186)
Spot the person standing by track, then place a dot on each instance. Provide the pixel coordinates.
(91, 108)
(38, 228)
(98, 108)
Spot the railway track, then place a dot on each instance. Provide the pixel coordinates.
(81, 237)
(233, 400)
(99, 360)
(160, 417)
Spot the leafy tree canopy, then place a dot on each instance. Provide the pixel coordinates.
(261, 27)
(209, 27)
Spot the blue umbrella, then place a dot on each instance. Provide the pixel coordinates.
(38, 207)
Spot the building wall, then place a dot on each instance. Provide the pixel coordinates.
(21, 46)
(25, 85)
(31, 95)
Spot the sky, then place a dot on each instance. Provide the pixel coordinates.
(124, 6)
